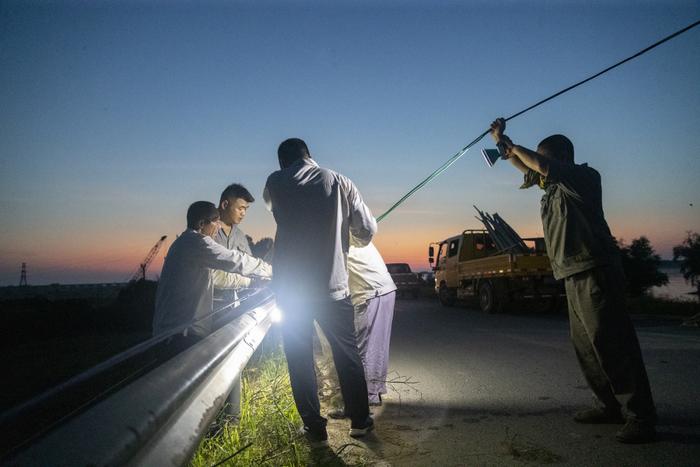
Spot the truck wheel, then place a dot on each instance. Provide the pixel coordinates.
(487, 298)
(445, 296)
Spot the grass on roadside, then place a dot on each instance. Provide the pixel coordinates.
(267, 431)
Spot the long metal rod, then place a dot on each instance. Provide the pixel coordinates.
(464, 150)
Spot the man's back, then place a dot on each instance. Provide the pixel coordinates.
(578, 237)
(315, 210)
(184, 288)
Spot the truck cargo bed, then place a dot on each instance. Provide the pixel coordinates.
(505, 265)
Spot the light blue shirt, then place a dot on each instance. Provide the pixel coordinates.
(235, 240)
(316, 210)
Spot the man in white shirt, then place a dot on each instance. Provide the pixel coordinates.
(316, 210)
(373, 295)
(185, 289)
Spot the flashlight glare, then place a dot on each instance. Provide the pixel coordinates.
(276, 315)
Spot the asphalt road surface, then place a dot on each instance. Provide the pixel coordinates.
(470, 388)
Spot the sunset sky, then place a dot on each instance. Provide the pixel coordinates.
(115, 116)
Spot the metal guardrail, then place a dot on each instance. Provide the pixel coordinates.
(159, 418)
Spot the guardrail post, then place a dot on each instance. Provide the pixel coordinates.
(233, 402)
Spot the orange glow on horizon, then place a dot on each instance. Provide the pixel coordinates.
(117, 259)
(81, 260)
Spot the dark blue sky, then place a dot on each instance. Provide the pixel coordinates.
(116, 115)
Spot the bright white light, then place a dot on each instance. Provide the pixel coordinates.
(276, 315)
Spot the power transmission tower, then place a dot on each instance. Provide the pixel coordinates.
(141, 271)
(23, 276)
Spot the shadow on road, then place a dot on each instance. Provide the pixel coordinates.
(414, 433)
(679, 438)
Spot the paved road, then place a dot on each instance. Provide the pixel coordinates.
(478, 389)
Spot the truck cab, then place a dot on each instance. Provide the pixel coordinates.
(470, 265)
(469, 245)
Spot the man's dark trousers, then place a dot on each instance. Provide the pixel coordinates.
(336, 318)
(606, 343)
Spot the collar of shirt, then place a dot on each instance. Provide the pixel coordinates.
(222, 233)
(315, 210)
(301, 162)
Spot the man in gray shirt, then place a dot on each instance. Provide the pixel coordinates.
(316, 210)
(184, 296)
(233, 206)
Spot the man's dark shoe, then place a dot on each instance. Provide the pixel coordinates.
(362, 430)
(636, 432)
(338, 413)
(599, 416)
(317, 437)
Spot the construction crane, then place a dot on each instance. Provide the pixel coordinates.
(141, 271)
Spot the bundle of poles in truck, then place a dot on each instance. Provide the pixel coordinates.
(502, 234)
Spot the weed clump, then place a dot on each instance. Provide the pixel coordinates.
(267, 431)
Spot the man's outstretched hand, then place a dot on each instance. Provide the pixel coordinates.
(502, 141)
(497, 128)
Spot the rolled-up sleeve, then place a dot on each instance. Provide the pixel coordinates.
(229, 280)
(363, 225)
(530, 178)
(216, 256)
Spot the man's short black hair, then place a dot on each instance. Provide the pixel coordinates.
(201, 212)
(558, 146)
(291, 150)
(236, 190)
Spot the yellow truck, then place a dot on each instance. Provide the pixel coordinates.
(470, 265)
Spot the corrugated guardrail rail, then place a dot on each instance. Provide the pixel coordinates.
(160, 417)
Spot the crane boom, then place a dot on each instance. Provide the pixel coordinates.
(141, 272)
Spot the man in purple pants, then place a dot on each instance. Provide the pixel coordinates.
(373, 294)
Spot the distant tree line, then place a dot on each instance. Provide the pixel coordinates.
(689, 254)
(641, 263)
